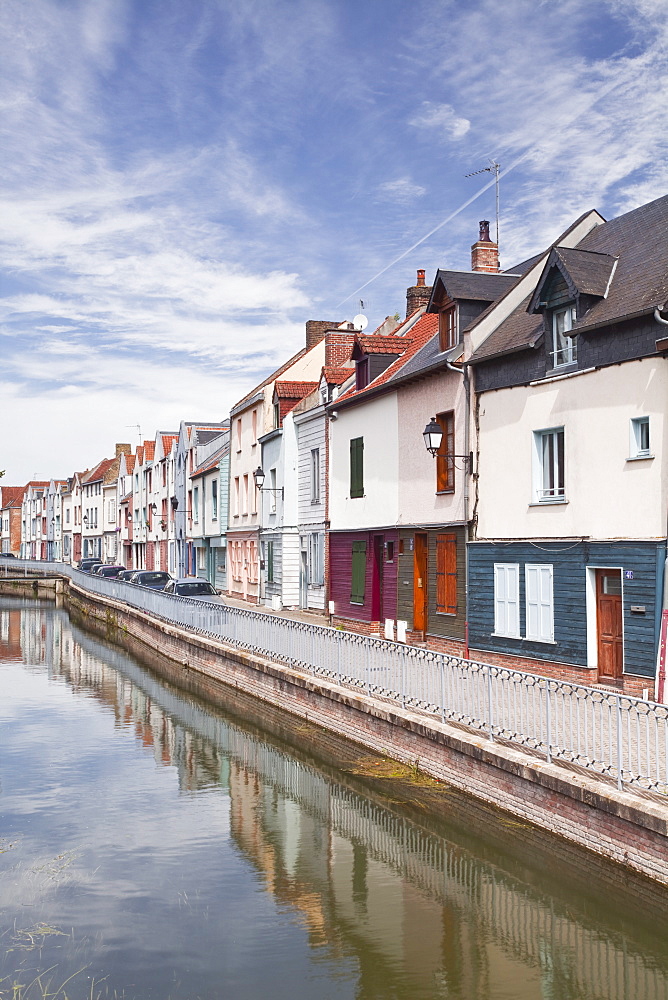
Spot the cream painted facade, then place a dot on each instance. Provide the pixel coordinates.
(419, 503)
(248, 423)
(377, 422)
(608, 492)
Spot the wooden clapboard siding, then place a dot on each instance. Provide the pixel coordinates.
(340, 555)
(570, 561)
(290, 568)
(310, 435)
(438, 624)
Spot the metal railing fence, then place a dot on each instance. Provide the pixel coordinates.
(613, 734)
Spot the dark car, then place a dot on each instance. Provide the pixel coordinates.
(125, 574)
(154, 579)
(107, 570)
(87, 564)
(7, 555)
(200, 590)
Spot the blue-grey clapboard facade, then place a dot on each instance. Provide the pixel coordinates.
(642, 565)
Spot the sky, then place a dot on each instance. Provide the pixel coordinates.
(186, 182)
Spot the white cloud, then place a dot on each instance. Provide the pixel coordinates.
(402, 190)
(441, 120)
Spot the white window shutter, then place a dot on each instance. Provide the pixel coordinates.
(539, 603)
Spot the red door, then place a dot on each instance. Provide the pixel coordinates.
(609, 625)
(377, 579)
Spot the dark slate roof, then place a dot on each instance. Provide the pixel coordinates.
(525, 266)
(521, 329)
(639, 241)
(585, 272)
(208, 434)
(476, 286)
(589, 271)
(640, 281)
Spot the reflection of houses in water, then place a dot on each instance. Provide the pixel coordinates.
(10, 634)
(369, 884)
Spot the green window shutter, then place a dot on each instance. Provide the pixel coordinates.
(358, 573)
(270, 562)
(357, 467)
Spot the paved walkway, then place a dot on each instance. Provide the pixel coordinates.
(296, 614)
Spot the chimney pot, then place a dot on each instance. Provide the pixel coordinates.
(420, 277)
(484, 231)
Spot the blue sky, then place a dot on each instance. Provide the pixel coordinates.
(186, 182)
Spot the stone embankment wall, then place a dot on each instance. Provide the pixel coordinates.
(628, 828)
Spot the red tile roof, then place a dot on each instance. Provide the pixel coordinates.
(100, 470)
(421, 333)
(167, 442)
(337, 376)
(12, 496)
(375, 344)
(294, 390)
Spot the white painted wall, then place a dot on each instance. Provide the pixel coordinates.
(607, 495)
(418, 501)
(377, 422)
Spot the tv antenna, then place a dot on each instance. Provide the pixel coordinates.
(360, 322)
(493, 168)
(138, 426)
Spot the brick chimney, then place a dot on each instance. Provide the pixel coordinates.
(417, 295)
(485, 253)
(315, 331)
(338, 346)
(123, 449)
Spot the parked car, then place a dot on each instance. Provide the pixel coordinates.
(7, 555)
(201, 590)
(154, 579)
(107, 570)
(126, 574)
(87, 564)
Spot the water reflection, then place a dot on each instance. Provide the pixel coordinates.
(236, 869)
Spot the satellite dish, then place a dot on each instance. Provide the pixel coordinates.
(360, 322)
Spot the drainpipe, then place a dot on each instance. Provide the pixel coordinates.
(663, 639)
(463, 371)
(663, 634)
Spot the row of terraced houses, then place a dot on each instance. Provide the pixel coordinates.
(488, 476)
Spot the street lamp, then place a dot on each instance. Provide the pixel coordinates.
(433, 439)
(259, 478)
(433, 436)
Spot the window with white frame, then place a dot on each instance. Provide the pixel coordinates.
(563, 346)
(639, 444)
(548, 465)
(316, 558)
(539, 602)
(315, 475)
(196, 504)
(214, 499)
(507, 599)
(272, 491)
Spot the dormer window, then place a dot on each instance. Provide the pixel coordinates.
(564, 350)
(447, 328)
(362, 373)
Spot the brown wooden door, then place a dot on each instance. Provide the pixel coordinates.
(420, 583)
(609, 625)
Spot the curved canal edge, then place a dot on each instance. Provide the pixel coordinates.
(626, 828)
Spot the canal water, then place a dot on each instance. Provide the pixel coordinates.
(157, 842)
